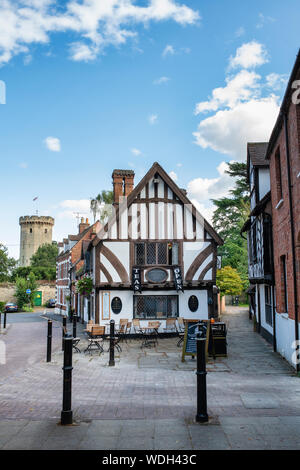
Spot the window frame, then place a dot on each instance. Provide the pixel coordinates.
(134, 310)
(157, 263)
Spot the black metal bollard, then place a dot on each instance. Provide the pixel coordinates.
(112, 343)
(64, 330)
(67, 414)
(4, 323)
(49, 341)
(202, 416)
(74, 326)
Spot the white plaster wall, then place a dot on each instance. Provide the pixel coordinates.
(190, 251)
(152, 221)
(188, 221)
(179, 219)
(264, 324)
(115, 276)
(285, 336)
(184, 311)
(121, 251)
(264, 182)
(144, 216)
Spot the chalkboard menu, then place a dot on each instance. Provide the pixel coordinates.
(192, 327)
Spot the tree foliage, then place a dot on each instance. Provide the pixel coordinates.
(45, 256)
(230, 215)
(7, 264)
(229, 281)
(22, 284)
(41, 273)
(102, 205)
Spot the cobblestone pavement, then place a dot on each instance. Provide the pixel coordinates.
(148, 400)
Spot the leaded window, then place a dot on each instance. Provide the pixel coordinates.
(156, 253)
(139, 254)
(155, 306)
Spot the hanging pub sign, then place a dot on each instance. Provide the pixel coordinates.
(178, 278)
(136, 280)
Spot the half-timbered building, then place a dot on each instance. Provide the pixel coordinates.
(260, 244)
(156, 256)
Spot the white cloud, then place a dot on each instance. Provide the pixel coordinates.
(95, 24)
(168, 50)
(53, 144)
(242, 111)
(229, 130)
(23, 165)
(239, 88)
(161, 80)
(73, 206)
(204, 189)
(239, 32)
(249, 55)
(136, 152)
(173, 175)
(152, 118)
(262, 20)
(276, 81)
(179, 164)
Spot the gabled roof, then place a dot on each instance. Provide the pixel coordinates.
(157, 169)
(257, 153)
(78, 237)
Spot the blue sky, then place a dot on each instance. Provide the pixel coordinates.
(90, 88)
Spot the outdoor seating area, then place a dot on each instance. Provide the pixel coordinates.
(148, 333)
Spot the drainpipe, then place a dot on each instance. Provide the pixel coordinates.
(292, 231)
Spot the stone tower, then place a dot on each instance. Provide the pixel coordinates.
(35, 231)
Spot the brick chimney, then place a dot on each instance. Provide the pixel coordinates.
(83, 224)
(123, 183)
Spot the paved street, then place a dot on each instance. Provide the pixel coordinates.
(148, 400)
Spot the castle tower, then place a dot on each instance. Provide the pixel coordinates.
(35, 231)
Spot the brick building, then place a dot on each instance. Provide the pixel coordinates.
(260, 245)
(280, 157)
(283, 154)
(70, 261)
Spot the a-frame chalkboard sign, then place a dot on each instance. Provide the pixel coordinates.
(190, 342)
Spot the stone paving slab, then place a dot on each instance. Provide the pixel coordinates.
(148, 400)
(256, 433)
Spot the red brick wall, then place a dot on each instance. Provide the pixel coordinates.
(281, 216)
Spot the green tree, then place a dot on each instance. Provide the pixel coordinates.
(229, 281)
(7, 264)
(22, 284)
(230, 215)
(102, 204)
(45, 256)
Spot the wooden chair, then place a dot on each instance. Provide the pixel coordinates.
(150, 335)
(89, 325)
(136, 325)
(181, 328)
(171, 325)
(96, 337)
